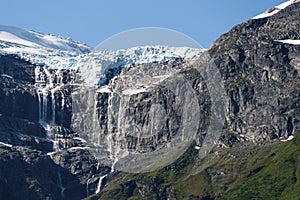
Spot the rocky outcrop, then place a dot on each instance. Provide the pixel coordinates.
(261, 76)
(17, 93)
(154, 103)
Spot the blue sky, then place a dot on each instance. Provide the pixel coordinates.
(93, 21)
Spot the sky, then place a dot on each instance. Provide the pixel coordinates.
(93, 21)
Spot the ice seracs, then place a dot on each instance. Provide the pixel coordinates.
(94, 66)
(275, 10)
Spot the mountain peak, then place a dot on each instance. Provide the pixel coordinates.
(10, 36)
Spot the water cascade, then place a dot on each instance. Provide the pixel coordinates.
(49, 84)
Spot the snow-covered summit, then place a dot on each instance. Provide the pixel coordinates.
(276, 9)
(17, 37)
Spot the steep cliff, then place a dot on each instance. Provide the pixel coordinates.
(260, 69)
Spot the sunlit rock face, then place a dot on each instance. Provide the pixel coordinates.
(148, 111)
(259, 62)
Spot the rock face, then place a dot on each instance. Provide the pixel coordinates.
(50, 125)
(261, 76)
(39, 121)
(35, 120)
(154, 108)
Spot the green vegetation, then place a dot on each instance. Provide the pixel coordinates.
(278, 179)
(242, 172)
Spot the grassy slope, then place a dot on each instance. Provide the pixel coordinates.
(241, 172)
(278, 179)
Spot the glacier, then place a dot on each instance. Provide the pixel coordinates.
(60, 53)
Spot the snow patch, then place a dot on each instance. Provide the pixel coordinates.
(268, 13)
(288, 139)
(104, 89)
(197, 147)
(51, 153)
(5, 144)
(133, 91)
(286, 4)
(80, 139)
(288, 41)
(7, 76)
(77, 148)
(275, 10)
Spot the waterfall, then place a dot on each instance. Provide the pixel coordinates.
(112, 169)
(48, 85)
(60, 185)
(115, 139)
(100, 183)
(87, 187)
(95, 122)
(53, 105)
